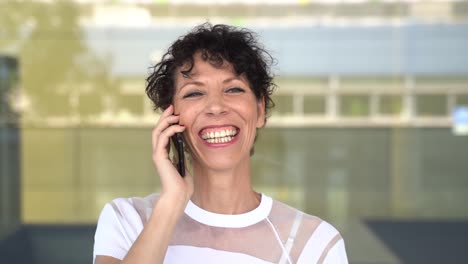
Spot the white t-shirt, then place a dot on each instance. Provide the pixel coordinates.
(271, 233)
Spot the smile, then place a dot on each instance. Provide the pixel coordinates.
(219, 134)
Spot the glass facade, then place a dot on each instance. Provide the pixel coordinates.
(361, 131)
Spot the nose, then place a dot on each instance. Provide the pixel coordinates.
(216, 105)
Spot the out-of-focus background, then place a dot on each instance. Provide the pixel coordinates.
(370, 131)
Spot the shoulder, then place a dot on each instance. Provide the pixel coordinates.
(315, 240)
(120, 222)
(324, 245)
(312, 223)
(131, 208)
(287, 215)
(134, 209)
(125, 216)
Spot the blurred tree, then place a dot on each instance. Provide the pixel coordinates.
(55, 62)
(8, 22)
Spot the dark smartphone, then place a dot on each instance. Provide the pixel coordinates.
(178, 143)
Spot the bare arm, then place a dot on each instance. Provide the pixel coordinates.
(106, 260)
(151, 245)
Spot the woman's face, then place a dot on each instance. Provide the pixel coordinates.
(220, 113)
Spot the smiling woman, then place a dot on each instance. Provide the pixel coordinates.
(214, 86)
(220, 112)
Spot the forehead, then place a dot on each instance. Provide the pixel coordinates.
(203, 69)
(202, 64)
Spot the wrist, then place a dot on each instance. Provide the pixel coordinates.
(171, 204)
(177, 196)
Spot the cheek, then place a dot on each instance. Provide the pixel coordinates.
(187, 116)
(184, 113)
(252, 113)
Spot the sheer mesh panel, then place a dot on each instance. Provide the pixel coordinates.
(282, 216)
(258, 240)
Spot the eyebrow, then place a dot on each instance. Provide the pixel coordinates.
(192, 82)
(197, 83)
(232, 79)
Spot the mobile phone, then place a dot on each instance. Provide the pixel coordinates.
(178, 142)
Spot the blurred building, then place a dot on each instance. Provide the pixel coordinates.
(361, 133)
(339, 62)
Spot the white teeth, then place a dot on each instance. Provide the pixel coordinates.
(222, 136)
(219, 140)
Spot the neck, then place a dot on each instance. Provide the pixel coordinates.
(224, 191)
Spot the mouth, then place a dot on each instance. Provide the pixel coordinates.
(219, 134)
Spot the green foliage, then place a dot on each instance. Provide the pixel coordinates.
(55, 62)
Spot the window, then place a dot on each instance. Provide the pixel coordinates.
(314, 104)
(390, 104)
(431, 105)
(283, 104)
(354, 105)
(461, 99)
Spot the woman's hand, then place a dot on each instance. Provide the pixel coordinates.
(174, 186)
(151, 245)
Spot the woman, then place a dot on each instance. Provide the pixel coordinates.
(214, 86)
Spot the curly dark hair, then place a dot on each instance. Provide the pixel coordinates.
(217, 44)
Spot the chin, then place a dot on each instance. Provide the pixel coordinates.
(219, 163)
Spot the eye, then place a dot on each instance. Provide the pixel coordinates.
(235, 90)
(192, 94)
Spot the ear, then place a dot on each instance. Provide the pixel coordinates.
(261, 112)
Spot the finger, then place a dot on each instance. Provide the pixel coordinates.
(163, 124)
(166, 113)
(163, 140)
